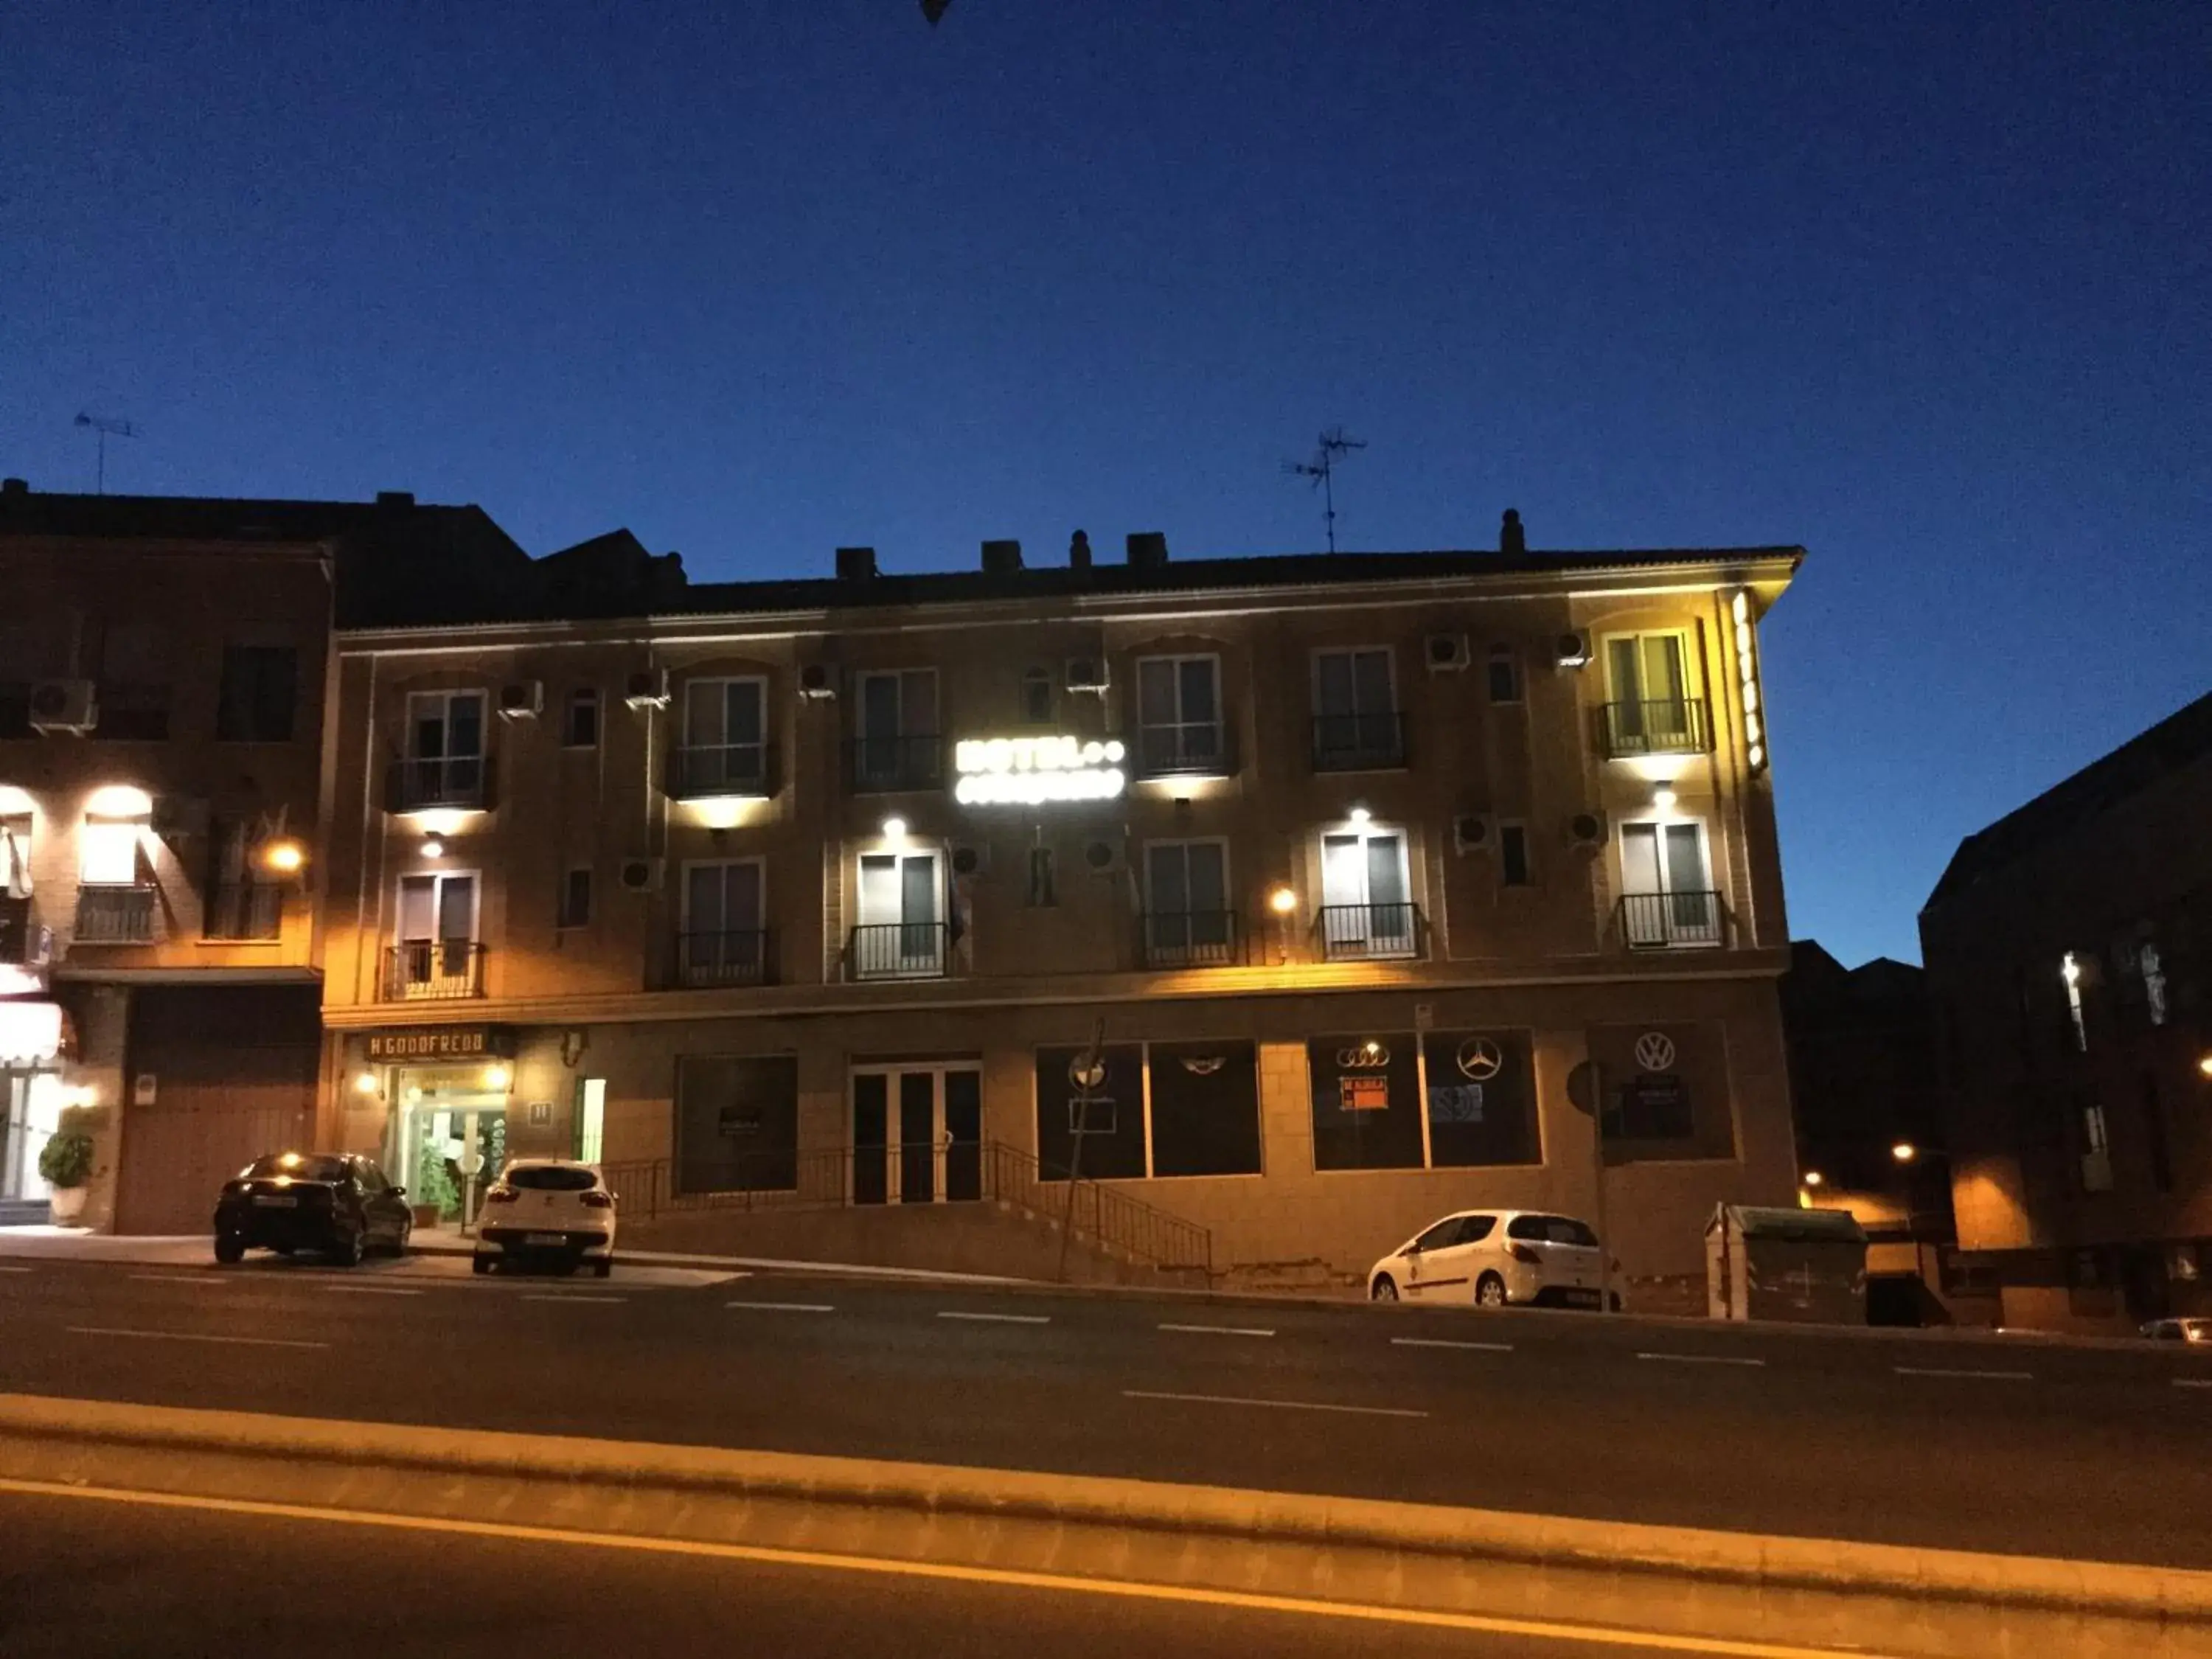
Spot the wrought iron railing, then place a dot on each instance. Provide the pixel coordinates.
(1674, 725)
(887, 764)
(433, 970)
(418, 784)
(1190, 749)
(1373, 742)
(1192, 938)
(699, 771)
(243, 910)
(115, 915)
(1658, 921)
(738, 957)
(898, 950)
(1355, 932)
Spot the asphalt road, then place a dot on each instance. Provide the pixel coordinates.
(2023, 1447)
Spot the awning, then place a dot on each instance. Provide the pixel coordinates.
(30, 1033)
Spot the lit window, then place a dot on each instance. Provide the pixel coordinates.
(108, 854)
(2154, 979)
(2069, 970)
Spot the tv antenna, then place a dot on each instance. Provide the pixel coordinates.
(1330, 448)
(107, 427)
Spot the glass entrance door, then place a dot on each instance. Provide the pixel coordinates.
(917, 1134)
(448, 1142)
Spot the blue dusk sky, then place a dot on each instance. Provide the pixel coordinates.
(1925, 287)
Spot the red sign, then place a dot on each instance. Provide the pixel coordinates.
(1364, 1094)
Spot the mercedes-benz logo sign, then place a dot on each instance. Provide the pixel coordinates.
(1479, 1060)
(1086, 1076)
(1655, 1051)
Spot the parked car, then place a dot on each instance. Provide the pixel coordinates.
(547, 1210)
(2179, 1330)
(339, 1205)
(1494, 1259)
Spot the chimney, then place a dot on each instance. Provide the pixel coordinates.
(15, 487)
(1001, 558)
(1148, 548)
(1078, 550)
(395, 498)
(856, 564)
(1511, 541)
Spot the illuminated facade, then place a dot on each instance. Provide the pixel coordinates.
(820, 889)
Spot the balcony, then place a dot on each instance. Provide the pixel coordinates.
(892, 765)
(1181, 750)
(1359, 742)
(1677, 726)
(115, 915)
(721, 771)
(243, 910)
(1192, 938)
(1369, 933)
(419, 784)
(897, 950)
(433, 971)
(1667, 921)
(706, 960)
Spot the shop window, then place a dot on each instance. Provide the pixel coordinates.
(1366, 1101)
(1111, 1111)
(737, 1123)
(1205, 1108)
(1665, 1094)
(1482, 1090)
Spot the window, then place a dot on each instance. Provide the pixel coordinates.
(1037, 696)
(445, 749)
(723, 938)
(1479, 1090)
(437, 954)
(1666, 889)
(1356, 724)
(1649, 709)
(107, 852)
(1179, 715)
(1551, 1229)
(1366, 1101)
(1451, 1230)
(576, 898)
(1111, 1111)
(2094, 1138)
(1187, 920)
(901, 934)
(1513, 854)
(260, 688)
(897, 745)
(725, 736)
(2096, 1149)
(240, 904)
(1367, 907)
(2069, 971)
(134, 684)
(579, 727)
(1205, 1108)
(1043, 890)
(1505, 674)
(591, 1119)
(2153, 981)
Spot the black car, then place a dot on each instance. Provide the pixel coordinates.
(339, 1205)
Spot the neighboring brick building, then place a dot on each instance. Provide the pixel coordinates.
(2070, 949)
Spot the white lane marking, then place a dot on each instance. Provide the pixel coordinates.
(1939, 1370)
(1703, 1358)
(185, 1279)
(194, 1336)
(2192, 1382)
(572, 1297)
(1439, 1342)
(1277, 1404)
(784, 1307)
(370, 1289)
(1221, 1330)
(1000, 1319)
(6, 1267)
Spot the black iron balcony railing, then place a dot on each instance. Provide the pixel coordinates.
(1355, 932)
(886, 765)
(1372, 742)
(433, 971)
(418, 784)
(702, 771)
(1676, 726)
(738, 957)
(19, 931)
(1657, 921)
(243, 910)
(1184, 749)
(115, 915)
(1192, 938)
(897, 950)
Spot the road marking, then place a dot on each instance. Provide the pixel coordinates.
(370, 1289)
(194, 1336)
(8, 1269)
(784, 1307)
(1277, 1404)
(184, 1278)
(1938, 1371)
(1245, 1601)
(1439, 1342)
(1221, 1330)
(2192, 1382)
(1000, 1319)
(1703, 1358)
(570, 1295)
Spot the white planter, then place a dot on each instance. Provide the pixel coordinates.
(68, 1205)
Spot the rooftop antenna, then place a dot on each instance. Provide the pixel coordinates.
(1331, 447)
(107, 427)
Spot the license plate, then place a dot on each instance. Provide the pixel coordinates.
(1580, 1298)
(546, 1238)
(276, 1201)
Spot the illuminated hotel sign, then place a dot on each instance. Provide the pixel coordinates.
(438, 1042)
(1746, 668)
(1029, 771)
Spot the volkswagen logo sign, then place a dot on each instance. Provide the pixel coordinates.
(1479, 1060)
(1655, 1051)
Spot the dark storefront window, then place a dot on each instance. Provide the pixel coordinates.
(737, 1123)
(1206, 1109)
(1666, 1091)
(1113, 1120)
(1481, 1099)
(1366, 1101)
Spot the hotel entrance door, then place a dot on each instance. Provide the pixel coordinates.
(917, 1132)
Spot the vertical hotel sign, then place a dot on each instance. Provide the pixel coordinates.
(1746, 668)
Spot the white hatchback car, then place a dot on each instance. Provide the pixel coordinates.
(1494, 1259)
(549, 1210)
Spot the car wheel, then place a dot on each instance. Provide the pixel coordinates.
(479, 1264)
(1385, 1289)
(1490, 1291)
(229, 1251)
(351, 1247)
(603, 1268)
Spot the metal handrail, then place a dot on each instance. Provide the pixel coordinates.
(1352, 933)
(243, 910)
(739, 956)
(1369, 742)
(893, 761)
(433, 970)
(898, 950)
(417, 783)
(696, 771)
(1190, 939)
(1657, 921)
(1196, 749)
(115, 915)
(1663, 726)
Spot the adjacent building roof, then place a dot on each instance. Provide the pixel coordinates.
(2179, 740)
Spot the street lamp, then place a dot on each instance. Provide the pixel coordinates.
(1282, 901)
(2205, 1065)
(1905, 1152)
(1813, 1178)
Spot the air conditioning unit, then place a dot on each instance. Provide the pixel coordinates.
(1586, 830)
(1473, 832)
(1572, 650)
(817, 684)
(1447, 653)
(1086, 674)
(63, 706)
(522, 700)
(1102, 858)
(643, 875)
(646, 688)
(971, 859)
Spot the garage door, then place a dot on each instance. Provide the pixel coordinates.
(234, 1072)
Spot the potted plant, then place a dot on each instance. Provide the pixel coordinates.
(65, 1165)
